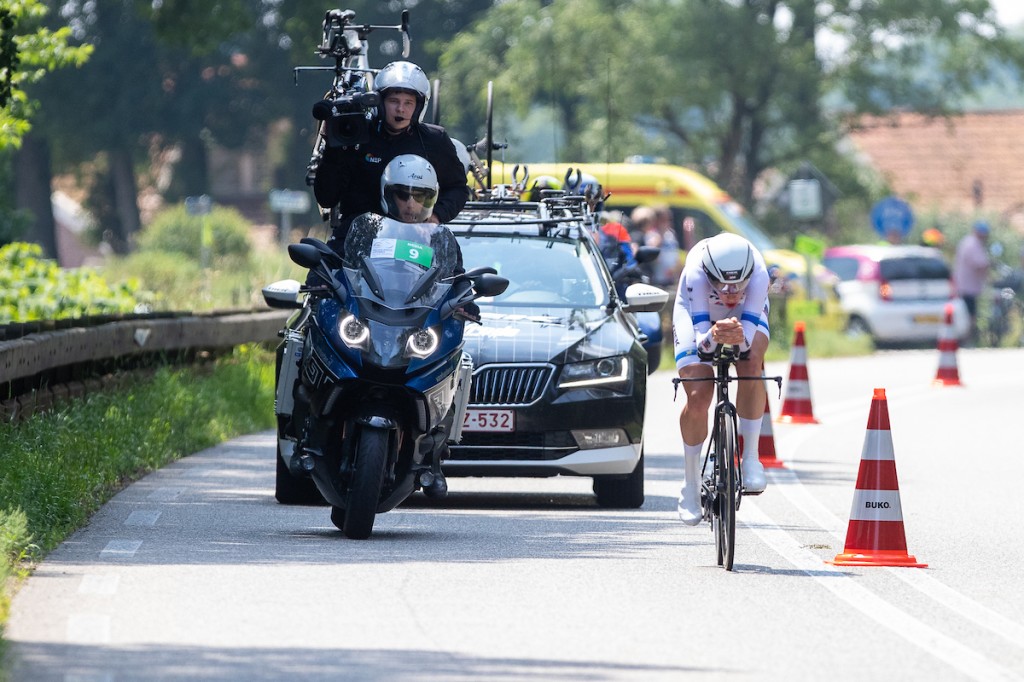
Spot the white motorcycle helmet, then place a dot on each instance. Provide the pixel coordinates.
(408, 177)
(728, 261)
(404, 76)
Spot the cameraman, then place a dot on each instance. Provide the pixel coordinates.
(349, 176)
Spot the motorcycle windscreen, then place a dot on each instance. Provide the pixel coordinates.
(399, 265)
(400, 272)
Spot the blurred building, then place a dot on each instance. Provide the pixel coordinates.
(967, 164)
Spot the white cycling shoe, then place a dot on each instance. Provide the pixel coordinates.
(688, 507)
(754, 481)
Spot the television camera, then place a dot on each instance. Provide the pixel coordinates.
(350, 104)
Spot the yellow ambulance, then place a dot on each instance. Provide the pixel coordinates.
(700, 208)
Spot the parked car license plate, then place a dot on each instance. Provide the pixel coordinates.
(927, 319)
(500, 421)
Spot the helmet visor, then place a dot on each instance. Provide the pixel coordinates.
(729, 288)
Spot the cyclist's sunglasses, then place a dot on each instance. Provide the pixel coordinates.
(420, 195)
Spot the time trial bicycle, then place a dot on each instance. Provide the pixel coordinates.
(721, 475)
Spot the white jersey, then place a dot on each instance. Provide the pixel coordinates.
(698, 306)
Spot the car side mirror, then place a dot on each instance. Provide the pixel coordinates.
(282, 294)
(644, 298)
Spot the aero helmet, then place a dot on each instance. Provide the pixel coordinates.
(728, 261)
(408, 176)
(407, 77)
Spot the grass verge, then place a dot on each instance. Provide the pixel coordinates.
(59, 468)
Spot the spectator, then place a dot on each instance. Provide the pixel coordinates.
(971, 266)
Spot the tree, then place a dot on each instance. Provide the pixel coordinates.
(27, 52)
(735, 86)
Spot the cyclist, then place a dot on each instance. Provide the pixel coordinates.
(348, 176)
(722, 299)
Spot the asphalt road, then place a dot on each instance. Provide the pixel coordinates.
(196, 573)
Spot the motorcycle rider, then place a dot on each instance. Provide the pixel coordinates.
(722, 298)
(348, 176)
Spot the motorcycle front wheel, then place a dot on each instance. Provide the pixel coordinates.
(367, 478)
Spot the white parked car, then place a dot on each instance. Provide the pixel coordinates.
(896, 293)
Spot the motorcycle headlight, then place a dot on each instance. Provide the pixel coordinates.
(422, 343)
(595, 372)
(353, 332)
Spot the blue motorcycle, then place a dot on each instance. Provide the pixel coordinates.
(372, 379)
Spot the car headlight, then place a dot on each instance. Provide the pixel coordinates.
(422, 343)
(353, 332)
(595, 372)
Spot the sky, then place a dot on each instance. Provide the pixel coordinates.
(1011, 12)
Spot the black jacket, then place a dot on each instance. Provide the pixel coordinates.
(350, 176)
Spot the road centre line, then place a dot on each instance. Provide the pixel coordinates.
(797, 493)
(946, 649)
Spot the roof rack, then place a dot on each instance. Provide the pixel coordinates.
(557, 214)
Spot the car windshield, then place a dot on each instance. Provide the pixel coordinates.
(913, 267)
(544, 272)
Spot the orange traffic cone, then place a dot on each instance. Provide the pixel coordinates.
(766, 443)
(948, 374)
(796, 407)
(875, 536)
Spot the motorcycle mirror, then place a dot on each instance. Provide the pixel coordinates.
(481, 270)
(646, 254)
(490, 285)
(306, 255)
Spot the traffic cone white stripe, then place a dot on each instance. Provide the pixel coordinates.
(798, 390)
(878, 446)
(876, 505)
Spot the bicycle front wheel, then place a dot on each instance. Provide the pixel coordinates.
(728, 460)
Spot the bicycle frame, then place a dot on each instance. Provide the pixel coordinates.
(720, 494)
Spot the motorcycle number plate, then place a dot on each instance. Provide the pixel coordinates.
(493, 421)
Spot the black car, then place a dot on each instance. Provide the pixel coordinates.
(560, 373)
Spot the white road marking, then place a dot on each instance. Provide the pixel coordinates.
(89, 677)
(121, 548)
(142, 517)
(977, 613)
(947, 649)
(99, 583)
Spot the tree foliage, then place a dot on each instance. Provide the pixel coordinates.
(732, 87)
(27, 52)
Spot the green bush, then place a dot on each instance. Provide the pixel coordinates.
(174, 230)
(36, 288)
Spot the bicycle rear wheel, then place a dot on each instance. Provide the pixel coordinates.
(727, 458)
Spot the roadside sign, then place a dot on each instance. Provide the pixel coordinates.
(289, 201)
(805, 201)
(892, 214)
(200, 205)
(808, 246)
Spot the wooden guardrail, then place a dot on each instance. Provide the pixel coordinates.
(67, 361)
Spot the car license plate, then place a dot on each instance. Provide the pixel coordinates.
(927, 319)
(493, 421)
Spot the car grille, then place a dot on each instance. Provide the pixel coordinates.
(512, 385)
